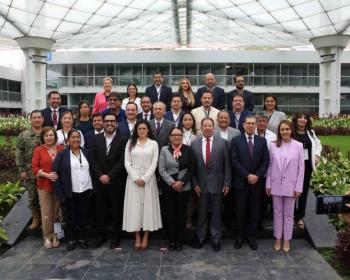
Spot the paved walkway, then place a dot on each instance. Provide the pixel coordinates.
(29, 260)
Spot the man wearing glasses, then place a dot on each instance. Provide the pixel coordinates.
(114, 106)
(107, 162)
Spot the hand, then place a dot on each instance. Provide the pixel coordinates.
(177, 186)
(268, 191)
(52, 176)
(317, 160)
(23, 176)
(225, 190)
(297, 194)
(252, 179)
(104, 179)
(197, 189)
(140, 182)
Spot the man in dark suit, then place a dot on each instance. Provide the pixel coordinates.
(52, 114)
(146, 106)
(97, 124)
(107, 163)
(158, 91)
(126, 126)
(211, 181)
(218, 93)
(238, 80)
(175, 114)
(238, 114)
(249, 160)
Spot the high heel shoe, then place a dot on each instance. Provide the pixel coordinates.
(48, 243)
(286, 247)
(55, 242)
(277, 245)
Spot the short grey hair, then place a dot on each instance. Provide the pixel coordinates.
(261, 114)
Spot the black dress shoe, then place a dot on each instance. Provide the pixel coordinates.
(99, 241)
(199, 244)
(115, 244)
(71, 245)
(217, 246)
(238, 243)
(253, 245)
(178, 246)
(83, 244)
(172, 246)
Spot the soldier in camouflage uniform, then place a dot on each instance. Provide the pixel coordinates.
(26, 142)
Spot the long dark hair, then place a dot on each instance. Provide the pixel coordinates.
(279, 137)
(274, 98)
(194, 130)
(298, 115)
(81, 103)
(134, 85)
(134, 136)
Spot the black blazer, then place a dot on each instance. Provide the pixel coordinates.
(62, 166)
(169, 116)
(165, 94)
(140, 116)
(111, 164)
(48, 118)
(247, 97)
(243, 165)
(219, 97)
(124, 129)
(241, 120)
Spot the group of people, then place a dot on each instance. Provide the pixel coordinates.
(144, 164)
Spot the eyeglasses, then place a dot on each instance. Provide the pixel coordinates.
(110, 121)
(112, 100)
(176, 135)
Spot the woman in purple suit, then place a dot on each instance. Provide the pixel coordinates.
(284, 182)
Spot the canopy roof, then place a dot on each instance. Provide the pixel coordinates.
(171, 24)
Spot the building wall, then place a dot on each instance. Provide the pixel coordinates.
(10, 89)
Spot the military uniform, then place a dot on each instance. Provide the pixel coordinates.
(26, 142)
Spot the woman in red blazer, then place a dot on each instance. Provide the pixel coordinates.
(43, 157)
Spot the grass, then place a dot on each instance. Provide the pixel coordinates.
(337, 141)
(3, 139)
(342, 270)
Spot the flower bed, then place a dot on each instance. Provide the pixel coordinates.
(12, 125)
(332, 125)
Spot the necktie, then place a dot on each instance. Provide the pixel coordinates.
(158, 128)
(250, 146)
(146, 116)
(207, 153)
(54, 117)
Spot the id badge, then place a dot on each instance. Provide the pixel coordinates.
(306, 154)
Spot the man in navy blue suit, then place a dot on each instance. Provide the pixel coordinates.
(52, 114)
(146, 105)
(249, 162)
(175, 114)
(97, 124)
(218, 93)
(158, 91)
(238, 80)
(238, 114)
(126, 126)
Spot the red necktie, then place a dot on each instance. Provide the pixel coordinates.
(54, 118)
(207, 153)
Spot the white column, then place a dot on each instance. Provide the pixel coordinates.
(330, 49)
(34, 74)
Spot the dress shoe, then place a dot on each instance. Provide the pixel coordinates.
(286, 246)
(83, 244)
(178, 246)
(71, 245)
(253, 245)
(217, 246)
(199, 244)
(277, 245)
(99, 241)
(172, 246)
(114, 244)
(238, 243)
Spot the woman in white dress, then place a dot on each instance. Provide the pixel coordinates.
(133, 93)
(141, 202)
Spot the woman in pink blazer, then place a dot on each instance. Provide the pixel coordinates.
(101, 98)
(284, 181)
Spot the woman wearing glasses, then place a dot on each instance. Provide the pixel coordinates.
(175, 168)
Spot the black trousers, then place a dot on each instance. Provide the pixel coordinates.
(299, 212)
(76, 211)
(110, 197)
(248, 203)
(175, 206)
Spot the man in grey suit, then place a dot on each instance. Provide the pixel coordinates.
(211, 181)
(224, 130)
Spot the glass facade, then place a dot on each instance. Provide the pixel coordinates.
(10, 91)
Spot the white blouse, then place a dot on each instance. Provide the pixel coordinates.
(62, 138)
(81, 180)
(137, 102)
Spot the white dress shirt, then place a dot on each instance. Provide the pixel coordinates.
(109, 141)
(204, 146)
(131, 125)
(81, 180)
(158, 89)
(176, 117)
(224, 134)
(98, 132)
(269, 136)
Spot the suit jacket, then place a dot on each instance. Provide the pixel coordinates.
(165, 94)
(243, 165)
(247, 97)
(286, 173)
(199, 114)
(140, 116)
(123, 128)
(111, 164)
(47, 114)
(169, 116)
(163, 137)
(218, 174)
(88, 136)
(62, 166)
(241, 120)
(218, 94)
(275, 119)
(231, 132)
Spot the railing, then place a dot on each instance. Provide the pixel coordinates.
(196, 80)
(10, 96)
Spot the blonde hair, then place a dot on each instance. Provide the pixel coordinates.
(190, 98)
(107, 79)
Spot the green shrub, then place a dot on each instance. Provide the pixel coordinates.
(12, 125)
